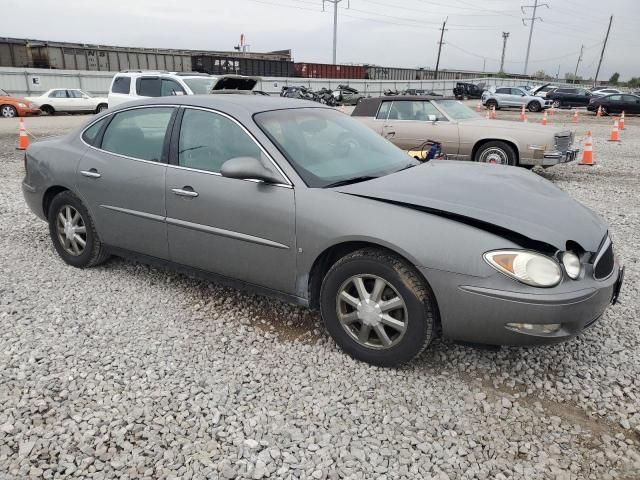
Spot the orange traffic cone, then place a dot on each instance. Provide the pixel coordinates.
(545, 119)
(587, 154)
(614, 132)
(23, 140)
(552, 111)
(574, 119)
(522, 114)
(622, 121)
(493, 112)
(599, 112)
(478, 106)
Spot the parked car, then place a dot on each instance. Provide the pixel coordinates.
(132, 85)
(418, 92)
(601, 92)
(504, 97)
(543, 90)
(69, 100)
(465, 90)
(346, 95)
(569, 97)
(16, 107)
(302, 202)
(616, 103)
(410, 121)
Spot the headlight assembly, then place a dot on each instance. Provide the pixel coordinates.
(571, 264)
(22, 105)
(525, 266)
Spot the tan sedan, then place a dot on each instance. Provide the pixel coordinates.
(409, 122)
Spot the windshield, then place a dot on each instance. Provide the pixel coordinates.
(325, 146)
(456, 109)
(200, 85)
(3, 93)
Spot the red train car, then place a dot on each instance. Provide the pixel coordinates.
(326, 70)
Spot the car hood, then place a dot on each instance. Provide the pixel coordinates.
(506, 197)
(13, 100)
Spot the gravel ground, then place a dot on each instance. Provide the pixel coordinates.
(128, 371)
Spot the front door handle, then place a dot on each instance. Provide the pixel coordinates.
(91, 173)
(185, 192)
(389, 134)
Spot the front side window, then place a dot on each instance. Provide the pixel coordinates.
(121, 85)
(138, 133)
(148, 86)
(456, 109)
(199, 86)
(325, 146)
(74, 93)
(517, 91)
(414, 110)
(170, 87)
(615, 98)
(207, 140)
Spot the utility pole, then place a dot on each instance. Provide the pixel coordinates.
(442, 30)
(533, 21)
(558, 73)
(595, 80)
(505, 35)
(335, 24)
(575, 73)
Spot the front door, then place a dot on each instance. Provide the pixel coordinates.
(413, 124)
(240, 229)
(122, 180)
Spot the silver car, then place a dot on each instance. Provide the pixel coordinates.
(504, 97)
(302, 202)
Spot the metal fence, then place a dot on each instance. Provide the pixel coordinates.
(33, 81)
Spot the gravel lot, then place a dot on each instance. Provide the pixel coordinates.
(128, 371)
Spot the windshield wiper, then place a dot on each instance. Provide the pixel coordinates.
(349, 181)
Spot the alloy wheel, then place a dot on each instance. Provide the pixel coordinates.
(372, 311)
(71, 229)
(8, 112)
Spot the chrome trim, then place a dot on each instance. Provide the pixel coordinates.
(225, 233)
(218, 174)
(136, 213)
(184, 193)
(90, 174)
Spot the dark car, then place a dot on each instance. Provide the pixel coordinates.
(463, 90)
(616, 103)
(418, 92)
(570, 97)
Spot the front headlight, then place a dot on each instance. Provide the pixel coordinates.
(571, 264)
(525, 266)
(33, 106)
(22, 105)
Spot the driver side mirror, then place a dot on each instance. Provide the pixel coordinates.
(249, 168)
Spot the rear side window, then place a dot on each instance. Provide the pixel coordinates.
(170, 87)
(58, 94)
(138, 133)
(121, 85)
(149, 87)
(90, 135)
(384, 111)
(503, 90)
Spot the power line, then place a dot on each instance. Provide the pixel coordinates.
(533, 21)
(442, 30)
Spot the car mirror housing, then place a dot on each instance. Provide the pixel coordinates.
(248, 168)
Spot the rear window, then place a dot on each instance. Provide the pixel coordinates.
(121, 85)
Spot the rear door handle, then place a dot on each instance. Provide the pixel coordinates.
(185, 192)
(92, 173)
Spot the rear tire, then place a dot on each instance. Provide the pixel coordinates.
(496, 152)
(390, 320)
(73, 232)
(8, 111)
(604, 111)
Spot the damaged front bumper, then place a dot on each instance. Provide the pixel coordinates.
(547, 158)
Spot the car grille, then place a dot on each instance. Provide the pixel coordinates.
(564, 142)
(603, 265)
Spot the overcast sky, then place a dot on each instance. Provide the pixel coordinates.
(402, 33)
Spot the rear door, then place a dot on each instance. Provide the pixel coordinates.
(412, 127)
(60, 100)
(504, 97)
(240, 229)
(122, 179)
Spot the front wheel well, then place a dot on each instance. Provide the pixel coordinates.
(484, 141)
(48, 197)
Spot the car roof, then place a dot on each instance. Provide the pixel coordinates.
(227, 102)
(368, 107)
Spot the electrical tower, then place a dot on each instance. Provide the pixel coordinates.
(505, 35)
(442, 30)
(335, 23)
(533, 21)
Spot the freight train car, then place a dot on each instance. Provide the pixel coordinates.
(14, 53)
(325, 70)
(220, 65)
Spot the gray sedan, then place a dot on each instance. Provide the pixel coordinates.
(300, 201)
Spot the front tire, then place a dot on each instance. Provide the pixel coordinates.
(377, 307)
(491, 104)
(101, 108)
(8, 111)
(73, 233)
(534, 106)
(48, 109)
(557, 104)
(496, 152)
